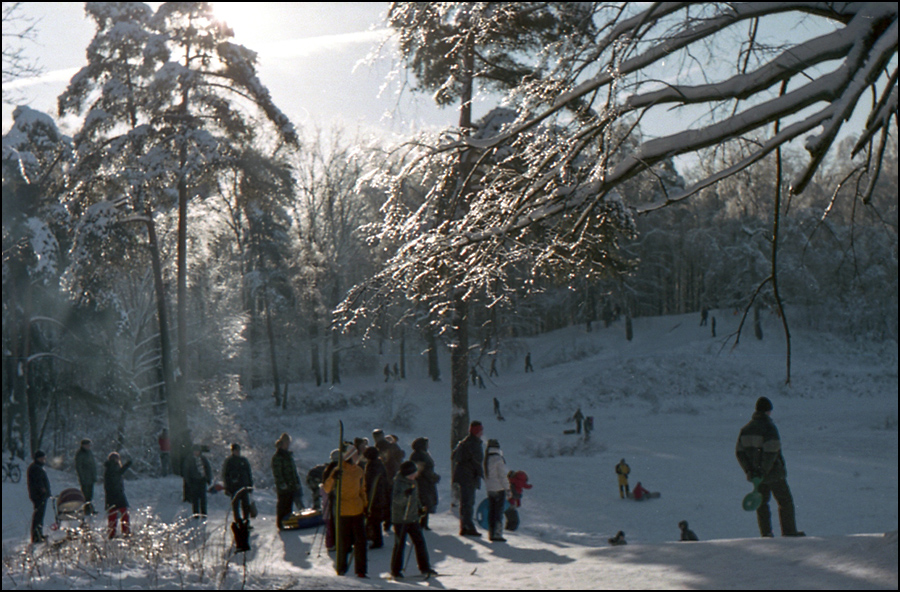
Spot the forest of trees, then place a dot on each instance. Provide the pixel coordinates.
(186, 233)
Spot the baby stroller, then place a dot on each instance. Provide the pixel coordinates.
(69, 511)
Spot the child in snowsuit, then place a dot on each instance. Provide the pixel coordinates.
(518, 481)
(622, 471)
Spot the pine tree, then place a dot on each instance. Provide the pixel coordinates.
(168, 102)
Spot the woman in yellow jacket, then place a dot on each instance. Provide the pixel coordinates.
(353, 512)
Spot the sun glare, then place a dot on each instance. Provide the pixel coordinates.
(244, 18)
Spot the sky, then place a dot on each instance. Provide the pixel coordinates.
(310, 58)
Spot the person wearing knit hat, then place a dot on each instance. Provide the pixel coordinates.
(406, 511)
(39, 493)
(468, 472)
(287, 480)
(497, 485)
(354, 504)
(758, 451)
(86, 469)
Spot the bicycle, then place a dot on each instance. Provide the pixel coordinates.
(12, 470)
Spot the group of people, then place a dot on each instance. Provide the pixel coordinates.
(86, 469)
(379, 491)
(472, 462)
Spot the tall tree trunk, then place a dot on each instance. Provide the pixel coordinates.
(459, 362)
(177, 415)
(314, 351)
(434, 369)
(273, 359)
(459, 357)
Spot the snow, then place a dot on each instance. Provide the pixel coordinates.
(671, 402)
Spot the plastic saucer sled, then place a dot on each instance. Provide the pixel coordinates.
(754, 499)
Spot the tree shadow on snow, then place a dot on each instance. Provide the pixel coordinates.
(838, 563)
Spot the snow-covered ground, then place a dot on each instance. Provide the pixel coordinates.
(670, 402)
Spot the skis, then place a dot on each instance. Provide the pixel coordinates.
(337, 509)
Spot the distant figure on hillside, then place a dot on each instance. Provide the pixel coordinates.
(704, 316)
(493, 371)
(497, 410)
(618, 540)
(578, 417)
(641, 493)
(588, 427)
(622, 470)
(686, 533)
(758, 451)
(528, 366)
(387, 372)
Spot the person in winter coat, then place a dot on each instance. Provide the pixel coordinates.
(391, 453)
(640, 492)
(287, 481)
(197, 474)
(405, 513)
(686, 533)
(378, 487)
(426, 478)
(498, 489)
(86, 469)
(518, 482)
(237, 476)
(467, 460)
(353, 509)
(38, 493)
(114, 490)
(622, 470)
(758, 451)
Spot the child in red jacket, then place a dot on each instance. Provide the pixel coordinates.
(518, 481)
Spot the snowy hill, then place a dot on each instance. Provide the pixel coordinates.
(670, 402)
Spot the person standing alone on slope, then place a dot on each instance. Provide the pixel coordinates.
(758, 451)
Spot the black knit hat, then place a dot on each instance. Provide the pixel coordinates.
(408, 468)
(763, 404)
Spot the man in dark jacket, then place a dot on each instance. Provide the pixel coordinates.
(287, 481)
(87, 473)
(39, 493)
(405, 514)
(426, 478)
(758, 451)
(468, 457)
(236, 476)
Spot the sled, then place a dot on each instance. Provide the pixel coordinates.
(646, 496)
(308, 518)
(482, 514)
(754, 499)
(572, 431)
